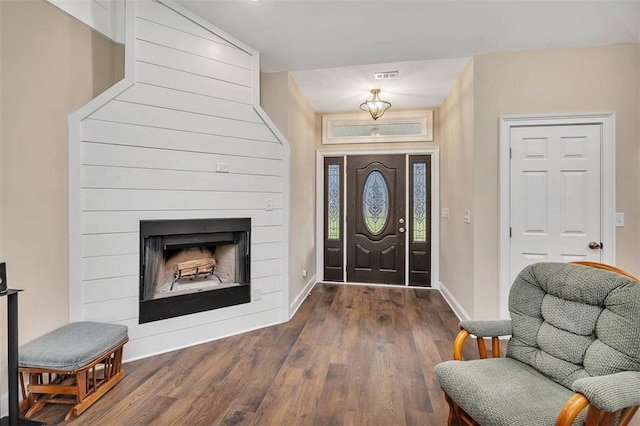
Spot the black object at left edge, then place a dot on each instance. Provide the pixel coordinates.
(3, 277)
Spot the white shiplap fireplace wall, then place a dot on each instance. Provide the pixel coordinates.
(148, 149)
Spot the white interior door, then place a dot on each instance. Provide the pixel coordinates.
(555, 194)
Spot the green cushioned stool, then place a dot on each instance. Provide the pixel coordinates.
(75, 364)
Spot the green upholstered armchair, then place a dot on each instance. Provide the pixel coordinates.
(575, 343)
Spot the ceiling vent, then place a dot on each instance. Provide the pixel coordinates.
(385, 75)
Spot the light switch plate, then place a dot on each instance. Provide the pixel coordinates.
(222, 168)
(619, 220)
(467, 216)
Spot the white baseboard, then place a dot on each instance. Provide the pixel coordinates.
(293, 307)
(453, 303)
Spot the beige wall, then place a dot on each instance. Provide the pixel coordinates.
(282, 99)
(457, 158)
(559, 81)
(51, 65)
(302, 125)
(274, 98)
(585, 80)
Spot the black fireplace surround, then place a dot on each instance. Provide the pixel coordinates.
(163, 235)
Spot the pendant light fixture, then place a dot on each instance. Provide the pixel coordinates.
(375, 106)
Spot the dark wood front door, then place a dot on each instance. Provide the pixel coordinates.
(376, 219)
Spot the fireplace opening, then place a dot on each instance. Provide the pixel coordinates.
(186, 266)
(189, 266)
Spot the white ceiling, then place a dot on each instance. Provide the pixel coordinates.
(419, 84)
(329, 46)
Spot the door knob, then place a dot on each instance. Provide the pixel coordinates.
(401, 221)
(593, 245)
(401, 230)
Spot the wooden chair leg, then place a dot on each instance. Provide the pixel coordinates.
(608, 419)
(593, 416)
(627, 415)
(453, 412)
(495, 347)
(482, 349)
(457, 416)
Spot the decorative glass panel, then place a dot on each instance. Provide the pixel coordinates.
(419, 202)
(375, 203)
(333, 202)
(349, 131)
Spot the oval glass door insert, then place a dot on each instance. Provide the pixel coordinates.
(375, 203)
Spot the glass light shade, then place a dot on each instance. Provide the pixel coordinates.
(375, 106)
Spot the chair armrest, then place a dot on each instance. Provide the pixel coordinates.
(612, 392)
(481, 329)
(487, 328)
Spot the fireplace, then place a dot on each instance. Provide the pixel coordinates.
(193, 265)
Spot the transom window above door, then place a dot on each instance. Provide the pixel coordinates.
(405, 126)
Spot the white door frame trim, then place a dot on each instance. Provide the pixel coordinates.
(435, 201)
(608, 188)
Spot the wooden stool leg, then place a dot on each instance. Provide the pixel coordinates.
(22, 388)
(35, 407)
(81, 385)
(69, 414)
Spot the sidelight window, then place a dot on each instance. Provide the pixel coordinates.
(419, 202)
(333, 202)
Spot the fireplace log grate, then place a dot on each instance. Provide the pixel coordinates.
(193, 269)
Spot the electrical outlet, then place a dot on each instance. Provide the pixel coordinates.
(445, 212)
(222, 168)
(269, 206)
(619, 220)
(256, 294)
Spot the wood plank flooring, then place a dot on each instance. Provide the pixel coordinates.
(351, 355)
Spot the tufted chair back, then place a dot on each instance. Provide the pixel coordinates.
(572, 321)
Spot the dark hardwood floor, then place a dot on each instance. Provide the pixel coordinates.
(351, 355)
